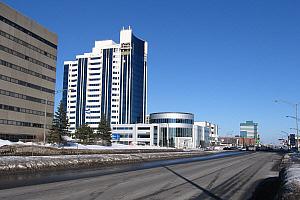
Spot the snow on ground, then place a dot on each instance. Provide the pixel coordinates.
(74, 145)
(292, 174)
(290, 177)
(291, 183)
(7, 142)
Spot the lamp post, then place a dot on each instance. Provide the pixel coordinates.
(295, 117)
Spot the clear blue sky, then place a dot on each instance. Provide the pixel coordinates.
(224, 61)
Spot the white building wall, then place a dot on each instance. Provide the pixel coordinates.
(213, 131)
(135, 134)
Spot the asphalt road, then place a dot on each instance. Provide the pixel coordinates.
(232, 177)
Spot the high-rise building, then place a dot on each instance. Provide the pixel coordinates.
(110, 81)
(27, 76)
(248, 130)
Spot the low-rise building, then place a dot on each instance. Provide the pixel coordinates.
(237, 141)
(136, 134)
(176, 128)
(213, 131)
(165, 129)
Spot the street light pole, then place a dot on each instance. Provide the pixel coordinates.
(297, 127)
(296, 118)
(45, 119)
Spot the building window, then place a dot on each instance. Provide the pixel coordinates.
(94, 79)
(93, 95)
(94, 74)
(21, 123)
(23, 43)
(93, 100)
(96, 63)
(94, 68)
(25, 97)
(26, 71)
(95, 58)
(24, 30)
(26, 84)
(20, 55)
(94, 84)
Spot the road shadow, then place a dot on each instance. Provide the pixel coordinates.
(207, 192)
(267, 189)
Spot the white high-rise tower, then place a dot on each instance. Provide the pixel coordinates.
(110, 81)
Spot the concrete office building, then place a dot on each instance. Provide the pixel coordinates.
(248, 130)
(110, 81)
(27, 76)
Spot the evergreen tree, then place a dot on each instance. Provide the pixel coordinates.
(85, 133)
(104, 131)
(60, 120)
(60, 125)
(54, 136)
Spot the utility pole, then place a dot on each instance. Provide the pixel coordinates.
(295, 117)
(297, 129)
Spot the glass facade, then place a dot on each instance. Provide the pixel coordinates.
(172, 126)
(133, 81)
(65, 86)
(107, 83)
(248, 129)
(166, 120)
(137, 86)
(81, 91)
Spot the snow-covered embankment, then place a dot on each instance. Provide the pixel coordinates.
(13, 164)
(290, 179)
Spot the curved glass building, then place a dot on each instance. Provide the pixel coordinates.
(175, 127)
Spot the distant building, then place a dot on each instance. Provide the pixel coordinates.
(110, 81)
(213, 131)
(248, 129)
(27, 76)
(237, 141)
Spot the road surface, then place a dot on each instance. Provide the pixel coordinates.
(233, 177)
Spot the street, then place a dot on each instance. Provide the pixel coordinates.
(233, 177)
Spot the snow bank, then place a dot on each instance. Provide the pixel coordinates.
(292, 175)
(5, 142)
(290, 178)
(114, 146)
(74, 145)
(12, 164)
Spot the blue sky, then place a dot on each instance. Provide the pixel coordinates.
(224, 61)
